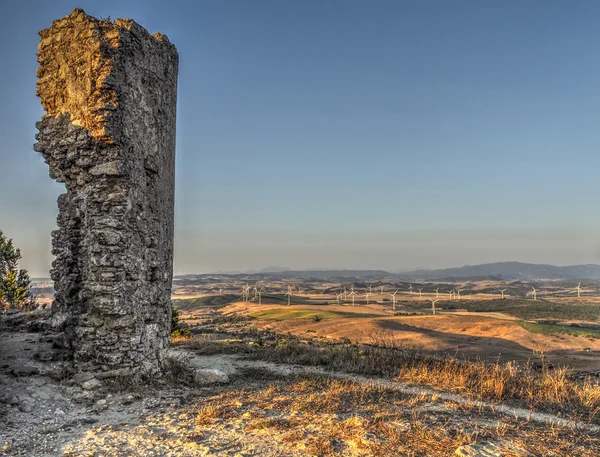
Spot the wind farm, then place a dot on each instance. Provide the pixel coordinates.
(536, 328)
(490, 318)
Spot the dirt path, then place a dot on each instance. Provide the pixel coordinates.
(232, 364)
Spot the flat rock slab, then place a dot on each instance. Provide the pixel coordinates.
(92, 384)
(207, 376)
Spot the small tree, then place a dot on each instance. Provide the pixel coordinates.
(179, 331)
(15, 285)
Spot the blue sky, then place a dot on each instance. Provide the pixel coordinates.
(349, 134)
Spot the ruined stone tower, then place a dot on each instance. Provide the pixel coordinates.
(109, 91)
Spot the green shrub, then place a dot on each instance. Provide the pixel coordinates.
(179, 330)
(15, 285)
(181, 334)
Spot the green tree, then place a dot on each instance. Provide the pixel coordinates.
(15, 285)
(179, 329)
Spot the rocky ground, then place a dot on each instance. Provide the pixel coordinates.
(225, 404)
(45, 414)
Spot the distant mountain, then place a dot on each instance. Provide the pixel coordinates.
(499, 271)
(510, 271)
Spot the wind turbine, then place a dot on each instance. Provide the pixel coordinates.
(437, 292)
(246, 290)
(338, 298)
(381, 287)
(502, 292)
(255, 292)
(367, 295)
(352, 293)
(579, 290)
(420, 290)
(370, 289)
(410, 288)
(534, 296)
(458, 294)
(289, 295)
(260, 295)
(451, 293)
(433, 302)
(394, 300)
(220, 291)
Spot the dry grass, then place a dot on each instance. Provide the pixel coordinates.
(323, 416)
(208, 413)
(546, 389)
(537, 388)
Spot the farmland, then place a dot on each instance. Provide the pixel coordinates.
(475, 323)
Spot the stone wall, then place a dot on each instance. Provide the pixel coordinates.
(109, 91)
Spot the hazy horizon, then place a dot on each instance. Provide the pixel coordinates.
(409, 250)
(349, 135)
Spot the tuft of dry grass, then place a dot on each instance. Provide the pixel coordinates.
(270, 423)
(320, 446)
(208, 413)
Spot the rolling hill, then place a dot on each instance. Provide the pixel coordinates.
(510, 271)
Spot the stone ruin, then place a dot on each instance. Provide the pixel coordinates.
(109, 90)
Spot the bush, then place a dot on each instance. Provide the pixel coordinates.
(15, 292)
(179, 330)
(183, 333)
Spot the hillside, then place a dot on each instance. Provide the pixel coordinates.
(510, 271)
(499, 271)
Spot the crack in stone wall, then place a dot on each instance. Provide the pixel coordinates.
(110, 91)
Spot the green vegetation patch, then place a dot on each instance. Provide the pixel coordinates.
(540, 309)
(283, 314)
(212, 301)
(535, 327)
